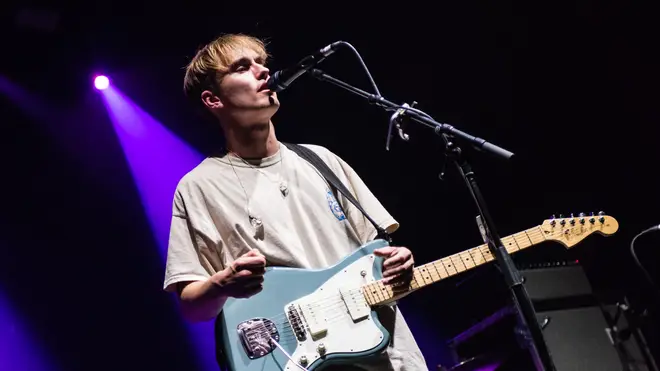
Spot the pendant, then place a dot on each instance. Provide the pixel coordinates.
(284, 189)
(255, 222)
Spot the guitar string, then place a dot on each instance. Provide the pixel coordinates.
(533, 235)
(482, 250)
(281, 317)
(287, 331)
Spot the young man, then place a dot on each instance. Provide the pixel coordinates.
(258, 203)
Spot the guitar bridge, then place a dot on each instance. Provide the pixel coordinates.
(296, 323)
(255, 335)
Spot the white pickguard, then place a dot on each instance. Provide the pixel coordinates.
(343, 335)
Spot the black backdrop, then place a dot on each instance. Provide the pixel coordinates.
(78, 259)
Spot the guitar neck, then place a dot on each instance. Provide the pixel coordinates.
(377, 293)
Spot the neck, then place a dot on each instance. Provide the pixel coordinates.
(254, 141)
(377, 293)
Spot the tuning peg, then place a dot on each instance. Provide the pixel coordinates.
(581, 215)
(572, 219)
(552, 220)
(601, 213)
(602, 218)
(591, 213)
(561, 215)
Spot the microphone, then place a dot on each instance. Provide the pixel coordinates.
(281, 80)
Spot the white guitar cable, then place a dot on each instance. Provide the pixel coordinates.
(287, 354)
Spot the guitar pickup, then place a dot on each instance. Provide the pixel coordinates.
(355, 303)
(312, 312)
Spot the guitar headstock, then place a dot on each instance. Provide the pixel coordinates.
(572, 230)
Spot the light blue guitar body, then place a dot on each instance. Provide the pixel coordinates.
(330, 322)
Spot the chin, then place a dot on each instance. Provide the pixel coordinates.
(273, 100)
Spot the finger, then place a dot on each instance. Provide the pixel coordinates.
(400, 281)
(394, 260)
(246, 275)
(384, 251)
(402, 278)
(242, 274)
(394, 270)
(257, 270)
(253, 252)
(399, 269)
(250, 262)
(254, 281)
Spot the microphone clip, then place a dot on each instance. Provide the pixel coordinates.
(397, 120)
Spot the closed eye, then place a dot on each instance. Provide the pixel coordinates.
(241, 65)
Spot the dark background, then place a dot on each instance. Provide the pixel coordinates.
(570, 88)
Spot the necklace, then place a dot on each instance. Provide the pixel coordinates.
(283, 185)
(256, 221)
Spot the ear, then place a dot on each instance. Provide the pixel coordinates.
(211, 100)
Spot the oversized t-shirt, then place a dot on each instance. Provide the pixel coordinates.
(302, 227)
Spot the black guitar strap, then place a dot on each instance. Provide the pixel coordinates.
(335, 183)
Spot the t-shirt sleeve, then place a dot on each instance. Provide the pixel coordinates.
(183, 259)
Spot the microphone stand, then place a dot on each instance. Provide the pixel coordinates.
(525, 309)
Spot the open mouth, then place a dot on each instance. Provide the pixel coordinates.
(263, 87)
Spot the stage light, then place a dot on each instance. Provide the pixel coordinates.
(101, 82)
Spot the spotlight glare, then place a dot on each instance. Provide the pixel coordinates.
(101, 82)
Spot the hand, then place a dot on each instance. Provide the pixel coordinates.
(398, 264)
(244, 277)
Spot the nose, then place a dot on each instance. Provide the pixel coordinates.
(262, 72)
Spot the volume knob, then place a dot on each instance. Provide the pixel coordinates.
(321, 349)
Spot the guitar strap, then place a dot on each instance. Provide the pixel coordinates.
(335, 183)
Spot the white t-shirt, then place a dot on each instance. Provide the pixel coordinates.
(304, 229)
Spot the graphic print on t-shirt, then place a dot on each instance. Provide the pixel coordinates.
(334, 206)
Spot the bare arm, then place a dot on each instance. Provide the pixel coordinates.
(203, 300)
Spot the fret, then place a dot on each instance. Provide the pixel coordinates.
(437, 271)
(414, 283)
(477, 256)
(522, 240)
(510, 244)
(484, 257)
(443, 271)
(486, 251)
(449, 266)
(379, 291)
(467, 259)
(428, 273)
(385, 291)
(419, 276)
(535, 235)
(367, 296)
(458, 263)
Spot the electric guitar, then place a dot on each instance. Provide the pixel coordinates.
(306, 319)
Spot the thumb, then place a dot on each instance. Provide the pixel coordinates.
(384, 251)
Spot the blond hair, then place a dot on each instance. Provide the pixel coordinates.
(212, 62)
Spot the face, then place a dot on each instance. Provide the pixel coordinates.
(243, 98)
